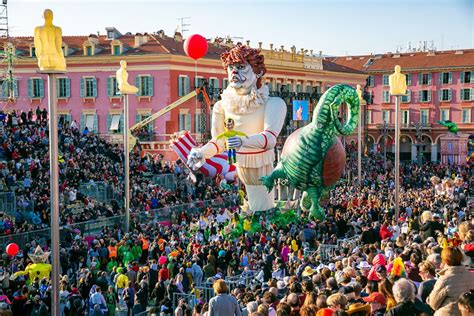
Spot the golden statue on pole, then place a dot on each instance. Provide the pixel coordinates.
(397, 82)
(48, 45)
(122, 80)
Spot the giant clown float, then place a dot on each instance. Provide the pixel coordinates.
(313, 157)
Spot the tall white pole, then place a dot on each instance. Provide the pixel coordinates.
(54, 188)
(359, 148)
(397, 157)
(126, 153)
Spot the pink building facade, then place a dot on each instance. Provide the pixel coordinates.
(440, 88)
(157, 65)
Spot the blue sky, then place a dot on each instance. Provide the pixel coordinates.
(336, 27)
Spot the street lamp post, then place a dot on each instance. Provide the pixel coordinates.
(418, 139)
(398, 87)
(359, 138)
(384, 131)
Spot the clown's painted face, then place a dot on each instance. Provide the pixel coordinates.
(241, 76)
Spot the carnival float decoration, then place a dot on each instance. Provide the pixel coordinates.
(38, 268)
(247, 102)
(313, 157)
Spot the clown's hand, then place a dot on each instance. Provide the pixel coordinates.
(234, 142)
(195, 159)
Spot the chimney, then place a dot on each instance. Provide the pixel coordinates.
(320, 53)
(271, 46)
(248, 43)
(161, 34)
(140, 39)
(458, 52)
(302, 51)
(282, 48)
(178, 37)
(93, 39)
(260, 45)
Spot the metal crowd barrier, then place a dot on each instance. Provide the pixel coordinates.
(207, 292)
(189, 298)
(101, 192)
(8, 202)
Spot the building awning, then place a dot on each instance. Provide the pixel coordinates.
(90, 122)
(114, 126)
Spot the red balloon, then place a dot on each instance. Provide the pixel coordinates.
(12, 249)
(162, 260)
(195, 46)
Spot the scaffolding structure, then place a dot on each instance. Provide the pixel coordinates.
(7, 56)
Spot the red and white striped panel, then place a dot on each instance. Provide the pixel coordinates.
(213, 166)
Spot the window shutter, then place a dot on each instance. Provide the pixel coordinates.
(138, 85)
(440, 78)
(450, 94)
(180, 122)
(96, 124)
(472, 77)
(187, 86)
(94, 88)
(216, 83)
(15, 88)
(82, 123)
(196, 82)
(109, 88)
(121, 124)
(440, 95)
(138, 118)
(150, 86)
(30, 88)
(408, 96)
(109, 121)
(420, 78)
(83, 90)
(420, 96)
(41, 88)
(462, 76)
(197, 122)
(180, 86)
(408, 79)
(429, 78)
(450, 77)
(188, 122)
(429, 96)
(58, 88)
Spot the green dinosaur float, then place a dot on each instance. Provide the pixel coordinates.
(452, 127)
(313, 157)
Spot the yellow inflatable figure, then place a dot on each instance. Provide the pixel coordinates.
(39, 268)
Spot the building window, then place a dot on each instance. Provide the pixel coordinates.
(116, 123)
(88, 50)
(425, 79)
(116, 50)
(424, 96)
(368, 117)
(213, 83)
(309, 89)
(408, 79)
(7, 91)
(299, 88)
(184, 120)
(405, 117)
(467, 77)
(407, 97)
(89, 121)
(225, 83)
(63, 89)
(444, 114)
(148, 128)
(386, 116)
(144, 85)
(278, 87)
(88, 87)
(35, 88)
(33, 51)
(445, 78)
(466, 115)
(289, 87)
(386, 96)
(424, 116)
(370, 81)
(197, 122)
(445, 95)
(385, 80)
(198, 82)
(112, 87)
(466, 94)
(183, 85)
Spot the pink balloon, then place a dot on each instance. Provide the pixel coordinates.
(162, 260)
(195, 46)
(12, 249)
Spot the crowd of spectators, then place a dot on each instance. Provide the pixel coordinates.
(418, 265)
(84, 158)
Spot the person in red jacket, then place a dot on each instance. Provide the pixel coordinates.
(385, 232)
